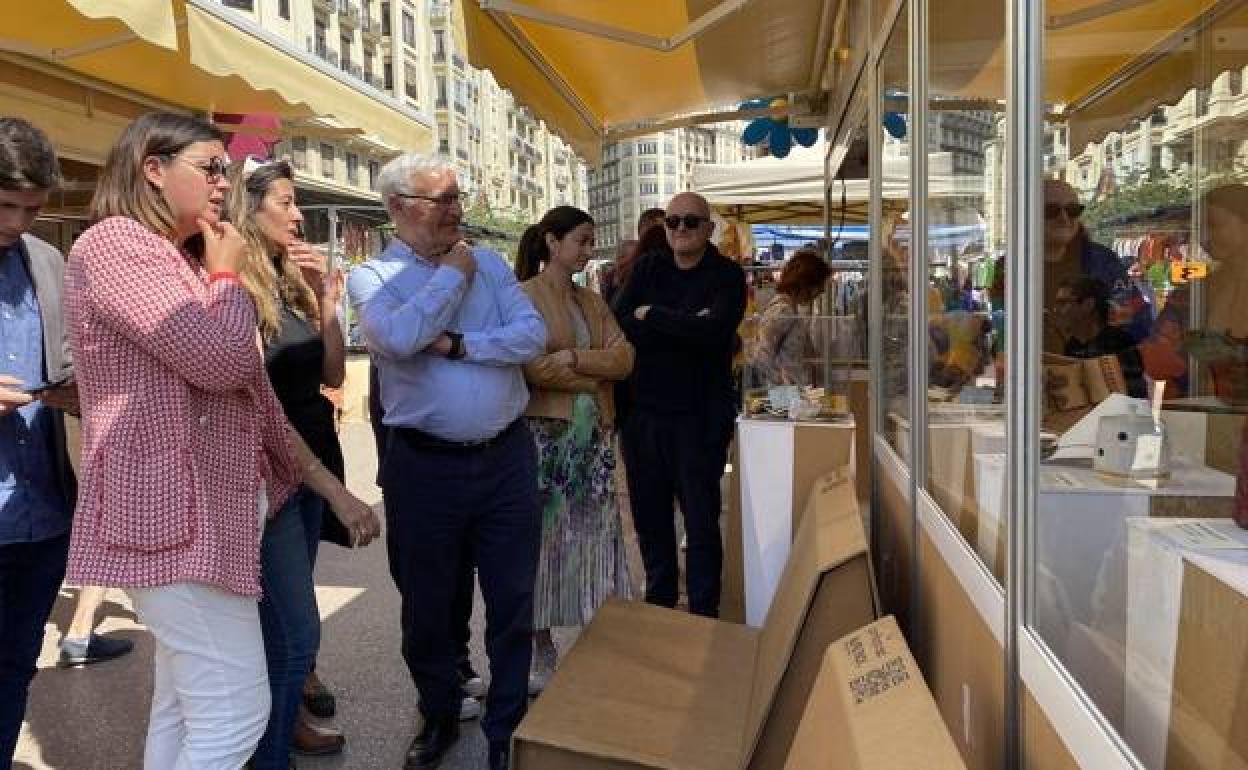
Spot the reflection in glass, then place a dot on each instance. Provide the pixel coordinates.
(894, 238)
(1140, 580)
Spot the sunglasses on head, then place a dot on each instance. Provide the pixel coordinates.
(690, 221)
(1053, 210)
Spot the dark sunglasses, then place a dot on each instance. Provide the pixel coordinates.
(448, 199)
(1053, 210)
(213, 170)
(690, 221)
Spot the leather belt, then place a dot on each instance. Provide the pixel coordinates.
(422, 440)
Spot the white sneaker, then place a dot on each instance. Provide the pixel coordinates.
(474, 687)
(469, 709)
(538, 681)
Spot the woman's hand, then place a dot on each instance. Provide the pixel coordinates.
(358, 517)
(224, 248)
(312, 263)
(11, 399)
(331, 292)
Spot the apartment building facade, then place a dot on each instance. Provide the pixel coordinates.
(642, 173)
(405, 50)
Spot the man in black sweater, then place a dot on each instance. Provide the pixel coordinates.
(681, 310)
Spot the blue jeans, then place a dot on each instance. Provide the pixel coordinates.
(30, 575)
(288, 617)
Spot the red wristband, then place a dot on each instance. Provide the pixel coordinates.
(222, 275)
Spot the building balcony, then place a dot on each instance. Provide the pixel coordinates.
(439, 11)
(325, 6)
(354, 70)
(317, 48)
(461, 107)
(457, 61)
(348, 14)
(370, 29)
(376, 81)
(439, 55)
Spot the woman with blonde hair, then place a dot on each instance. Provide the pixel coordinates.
(184, 446)
(571, 416)
(297, 312)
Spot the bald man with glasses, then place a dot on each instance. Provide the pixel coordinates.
(680, 310)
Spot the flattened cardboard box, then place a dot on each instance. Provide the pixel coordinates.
(871, 710)
(651, 688)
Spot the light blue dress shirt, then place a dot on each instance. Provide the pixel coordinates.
(33, 506)
(404, 302)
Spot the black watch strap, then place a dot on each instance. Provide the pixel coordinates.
(457, 346)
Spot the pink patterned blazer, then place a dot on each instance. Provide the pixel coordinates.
(180, 425)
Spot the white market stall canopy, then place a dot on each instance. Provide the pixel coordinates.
(791, 190)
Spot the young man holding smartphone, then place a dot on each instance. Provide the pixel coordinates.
(37, 488)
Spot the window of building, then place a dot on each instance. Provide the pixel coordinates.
(647, 148)
(439, 45)
(353, 168)
(409, 29)
(385, 19)
(327, 160)
(374, 170)
(441, 80)
(240, 5)
(344, 49)
(283, 9)
(647, 168)
(649, 188)
(368, 63)
(411, 81)
(299, 153)
(387, 73)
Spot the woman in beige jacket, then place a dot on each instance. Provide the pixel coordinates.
(571, 415)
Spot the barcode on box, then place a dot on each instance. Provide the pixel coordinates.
(878, 681)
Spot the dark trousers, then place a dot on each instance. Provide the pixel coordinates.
(461, 613)
(30, 576)
(677, 456)
(445, 508)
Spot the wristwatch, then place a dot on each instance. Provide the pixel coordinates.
(457, 346)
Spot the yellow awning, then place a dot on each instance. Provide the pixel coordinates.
(1087, 44)
(185, 53)
(587, 66)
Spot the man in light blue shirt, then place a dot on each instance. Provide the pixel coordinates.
(449, 330)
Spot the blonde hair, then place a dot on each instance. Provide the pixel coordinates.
(268, 274)
(123, 191)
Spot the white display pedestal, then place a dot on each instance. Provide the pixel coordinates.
(1156, 612)
(778, 462)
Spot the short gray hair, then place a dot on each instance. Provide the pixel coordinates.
(396, 175)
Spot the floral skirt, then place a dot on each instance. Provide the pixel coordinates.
(583, 561)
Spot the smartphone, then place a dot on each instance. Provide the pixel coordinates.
(34, 389)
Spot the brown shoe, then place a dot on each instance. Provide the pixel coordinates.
(311, 739)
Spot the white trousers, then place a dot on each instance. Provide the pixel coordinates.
(210, 692)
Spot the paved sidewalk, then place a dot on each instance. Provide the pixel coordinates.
(95, 717)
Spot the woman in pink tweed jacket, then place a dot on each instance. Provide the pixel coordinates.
(185, 447)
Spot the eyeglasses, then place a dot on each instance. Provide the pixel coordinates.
(449, 199)
(213, 171)
(690, 221)
(1053, 210)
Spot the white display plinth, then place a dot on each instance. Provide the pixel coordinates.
(778, 460)
(1155, 614)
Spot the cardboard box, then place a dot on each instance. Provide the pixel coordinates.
(871, 710)
(648, 687)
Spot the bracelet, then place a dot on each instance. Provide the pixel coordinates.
(222, 275)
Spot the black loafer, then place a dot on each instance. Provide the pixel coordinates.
(99, 649)
(429, 747)
(500, 755)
